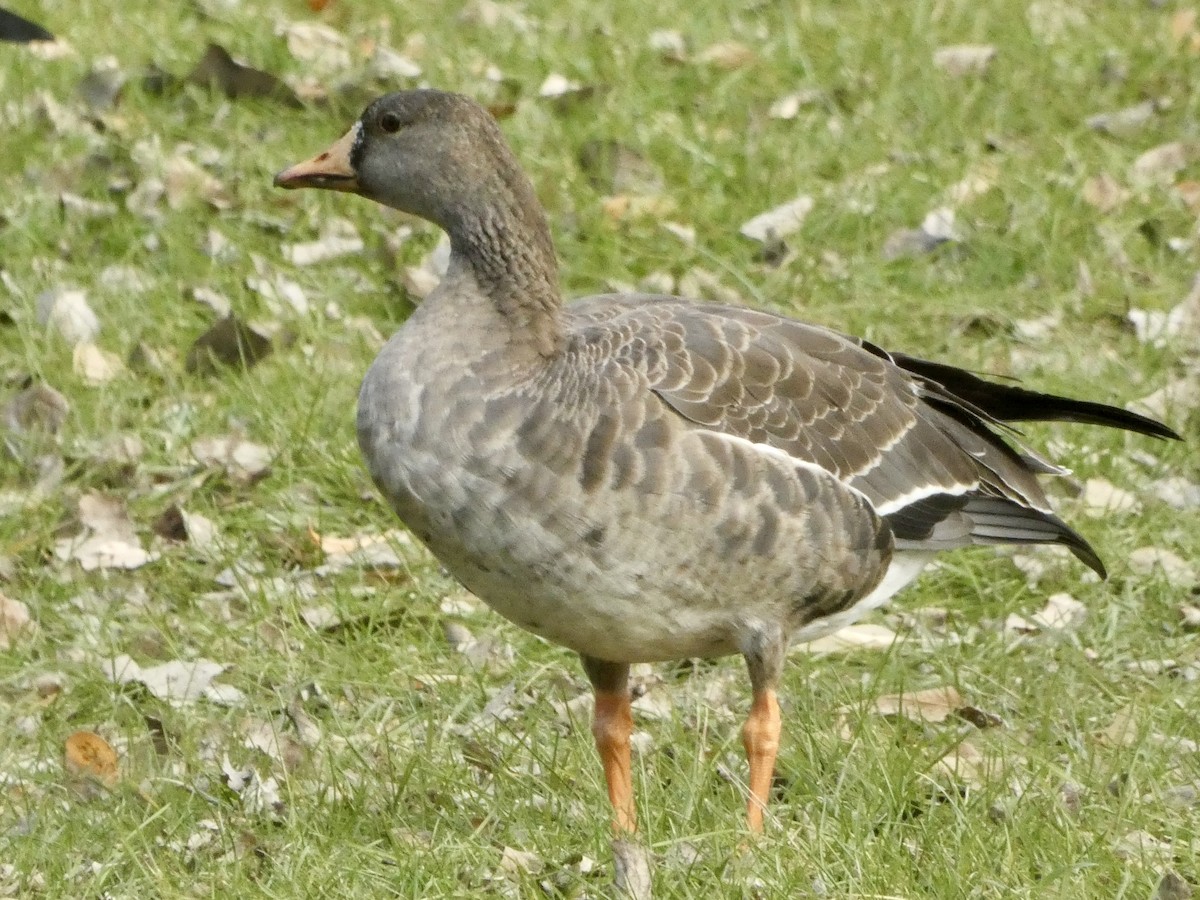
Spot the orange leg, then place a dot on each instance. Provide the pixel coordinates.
(611, 727)
(764, 648)
(760, 736)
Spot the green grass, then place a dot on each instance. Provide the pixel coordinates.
(409, 791)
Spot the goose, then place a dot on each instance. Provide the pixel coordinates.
(650, 478)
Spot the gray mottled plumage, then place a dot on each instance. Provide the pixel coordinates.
(646, 478)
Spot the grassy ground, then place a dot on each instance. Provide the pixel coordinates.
(392, 781)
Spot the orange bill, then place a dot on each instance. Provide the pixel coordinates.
(331, 170)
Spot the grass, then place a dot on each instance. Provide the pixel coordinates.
(410, 790)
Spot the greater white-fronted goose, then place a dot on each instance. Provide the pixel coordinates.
(644, 478)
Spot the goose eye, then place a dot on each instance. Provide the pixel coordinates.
(389, 122)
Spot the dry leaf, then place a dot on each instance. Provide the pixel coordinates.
(177, 682)
(1174, 399)
(67, 311)
(1102, 498)
(14, 621)
(243, 460)
(727, 55)
(1189, 616)
(1062, 612)
(37, 408)
(862, 636)
(1160, 165)
(669, 45)
(335, 242)
(95, 366)
(789, 105)
(1181, 321)
(1052, 21)
(1178, 492)
(184, 182)
(966, 764)
(964, 59)
(931, 705)
(520, 862)
(631, 206)
(776, 224)
(1177, 571)
(217, 69)
(388, 65)
(1172, 886)
(88, 755)
(1104, 192)
(369, 551)
(1124, 121)
(323, 49)
(229, 342)
(258, 796)
(1142, 847)
(976, 183)
(631, 869)
(108, 539)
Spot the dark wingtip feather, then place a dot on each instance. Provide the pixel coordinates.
(1010, 403)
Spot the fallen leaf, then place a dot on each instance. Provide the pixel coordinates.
(976, 183)
(966, 764)
(726, 55)
(1102, 498)
(14, 621)
(67, 311)
(322, 48)
(1175, 569)
(669, 45)
(789, 105)
(89, 755)
(931, 705)
(243, 460)
(623, 207)
(1104, 192)
(95, 366)
(335, 242)
(1173, 400)
(388, 64)
(258, 796)
(108, 539)
(1190, 616)
(177, 682)
(1062, 612)
(779, 222)
(613, 168)
(229, 342)
(964, 59)
(1172, 886)
(1124, 121)
(1160, 165)
(520, 862)
(100, 89)
(185, 182)
(631, 869)
(371, 551)
(1053, 21)
(1142, 847)
(1158, 328)
(37, 408)
(217, 69)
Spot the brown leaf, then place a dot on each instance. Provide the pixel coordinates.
(930, 705)
(964, 59)
(89, 755)
(229, 342)
(37, 408)
(1104, 192)
(14, 621)
(726, 55)
(863, 636)
(778, 222)
(217, 69)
